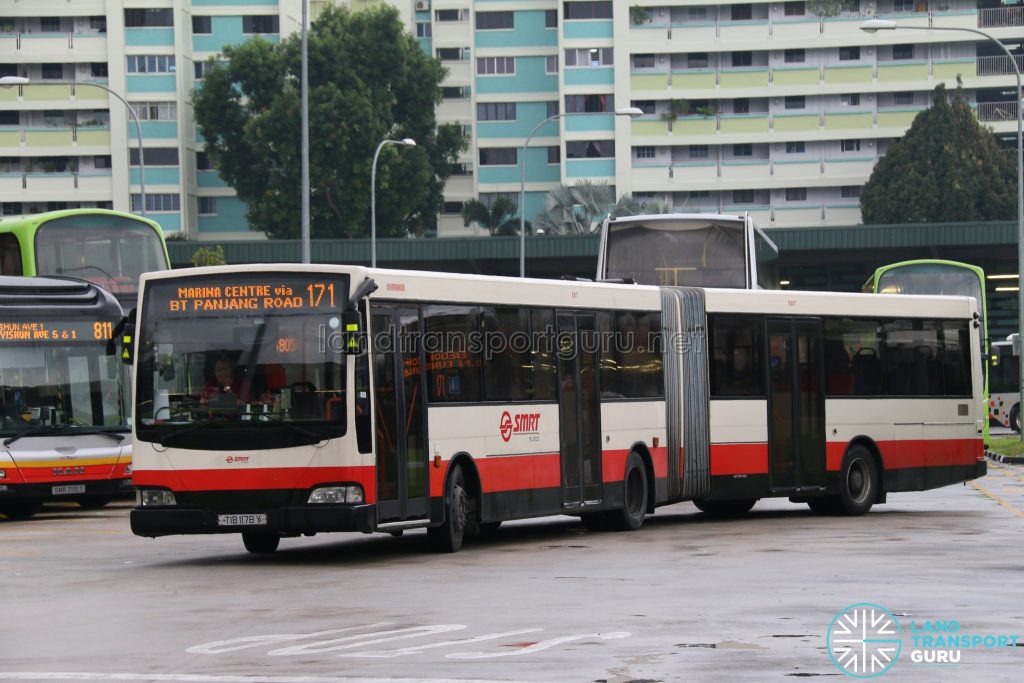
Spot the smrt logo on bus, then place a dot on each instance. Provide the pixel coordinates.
(523, 423)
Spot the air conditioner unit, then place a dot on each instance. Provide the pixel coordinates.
(422, 5)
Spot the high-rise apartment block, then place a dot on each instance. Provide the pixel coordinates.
(777, 108)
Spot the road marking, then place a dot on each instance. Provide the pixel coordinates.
(996, 498)
(361, 640)
(206, 678)
(537, 647)
(417, 649)
(221, 646)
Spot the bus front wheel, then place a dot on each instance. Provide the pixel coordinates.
(448, 537)
(259, 542)
(20, 509)
(858, 485)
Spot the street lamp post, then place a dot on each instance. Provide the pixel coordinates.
(306, 256)
(8, 81)
(874, 25)
(404, 142)
(622, 111)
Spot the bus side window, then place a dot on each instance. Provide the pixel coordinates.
(10, 255)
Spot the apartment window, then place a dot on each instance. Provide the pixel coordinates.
(150, 64)
(498, 156)
(49, 25)
(587, 10)
(644, 152)
(487, 66)
(145, 18)
(849, 145)
(742, 59)
(902, 51)
(903, 6)
(12, 209)
(741, 105)
(98, 24)
(554, 155)
(796, 194)
(154, 156)
(793, 56)
(552, 108)
(101, 162)
(903, 98)
(850, 191)
(590, 104)
(156, 111)
(202, 25)
(643, 61)
(551, 64)
(699, 151)
(8, 70)
(700, 194)
(461, 169)
(98, 69)
(492, 21)
(450, 54)
(157, 202)
(590, 149)
(57, 206)
(697, 13)
(423, 29)
(207, 206)
(795, 102)
(697, 60)
(646, 106)
(53, 71)
(203, 162)
(452, 208)
(744, 12)
(795, 147)
(488, 198)
(200, 69)
(592, 57)
(850, 99)
(743, 196)
(550, 18)
(795, 9)
(268, 23)
(449, 92)
(496, 111)
(743, 150)
(9, 118)
(451, 15)
(849, 53)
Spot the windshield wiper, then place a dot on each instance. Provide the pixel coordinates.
(58, 429)
(80, 430)
(35, 429)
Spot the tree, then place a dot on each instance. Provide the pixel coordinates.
(499, 219)
(946, 168)
(209, 256)
(369, 80)
(578, 209)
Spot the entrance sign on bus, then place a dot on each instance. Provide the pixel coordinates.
(293, 293)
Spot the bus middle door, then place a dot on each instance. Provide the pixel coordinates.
(579, 412)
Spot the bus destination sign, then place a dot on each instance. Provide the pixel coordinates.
(55, 331)
(287, 294)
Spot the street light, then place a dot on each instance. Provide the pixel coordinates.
(631, 112)
(304, 162)
(8, 81)
(874, 25)
(404, 142)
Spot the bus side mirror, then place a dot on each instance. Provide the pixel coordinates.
(352, 332)
(122, 342)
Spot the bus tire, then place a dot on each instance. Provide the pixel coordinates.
(448, 536)
(634, 496)
(92, 502)
(259, 542)
(20, 509)
(858, 482)
(595, 521)
(1015, 418)
(725, 508)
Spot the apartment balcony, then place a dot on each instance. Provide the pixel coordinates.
(801, 216)
(733, 174)
(57, 140)
(53, 47)
(93, 186)
(43, 95)
(55, 8)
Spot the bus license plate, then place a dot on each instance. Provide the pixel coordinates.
(259, 519)
(68, 489)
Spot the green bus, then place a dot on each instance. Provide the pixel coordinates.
(937, 276)
(108, 248)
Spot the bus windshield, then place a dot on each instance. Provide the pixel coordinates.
(932, 278)
(693, 252)
(242, 361)
(56, 376)
(110, 251)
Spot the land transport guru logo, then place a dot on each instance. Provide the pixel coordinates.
(865, 640)
(522, 423)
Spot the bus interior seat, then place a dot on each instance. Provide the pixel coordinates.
(867, 372)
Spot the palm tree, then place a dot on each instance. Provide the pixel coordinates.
(578, 209)
(499, 219)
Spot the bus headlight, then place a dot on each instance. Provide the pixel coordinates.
(333, 495)
(154, 498)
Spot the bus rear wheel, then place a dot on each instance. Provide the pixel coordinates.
(259, 542)
(634, 497)
(725, 508)
(448, 537)
(20, 509)
(858, 482)
(1015, 418)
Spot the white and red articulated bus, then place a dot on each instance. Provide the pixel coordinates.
(64, 396)
(288, 400)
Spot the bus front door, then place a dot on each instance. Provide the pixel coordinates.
(796, 406)
(400, 423)
(579, 415)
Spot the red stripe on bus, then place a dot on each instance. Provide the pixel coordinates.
(907, 453)
(255, 479)
(514, 473)
(739, 458)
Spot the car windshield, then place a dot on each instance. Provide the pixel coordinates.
(241, 361)
(58, 375)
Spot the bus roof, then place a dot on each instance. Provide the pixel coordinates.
(33, 221)
(46, 296)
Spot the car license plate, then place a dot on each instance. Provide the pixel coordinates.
(68, 489)
(251, 519)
